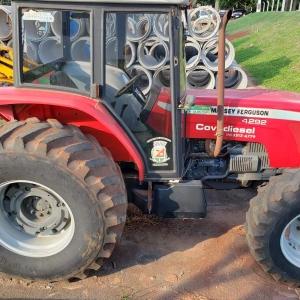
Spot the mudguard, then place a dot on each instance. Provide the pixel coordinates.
(88, 114)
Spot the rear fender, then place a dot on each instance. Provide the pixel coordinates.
(88, 114)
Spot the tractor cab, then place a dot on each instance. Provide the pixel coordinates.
(129, 58)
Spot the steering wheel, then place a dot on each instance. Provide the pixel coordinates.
(127, 86)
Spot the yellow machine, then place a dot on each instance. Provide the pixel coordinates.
(6, 65)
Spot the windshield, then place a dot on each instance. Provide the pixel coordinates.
(56, 48)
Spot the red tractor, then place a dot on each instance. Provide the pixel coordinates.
(80, 139)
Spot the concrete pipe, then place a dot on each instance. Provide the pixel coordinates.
(56, 25)
(110, 25)
(193, 53)
(200, 78)
(77, 27)
(131, 29)
(161, 77)
(80, 49)
(138, 31)
(36, 31)
(130, 53)
(145, 80)
(235, 77)
(158, 53)
(9, 43)
(50, 49)
(210, 47)
(203, 23)
(31, 50)
(5, 23)
(161, 26)
(111, 52)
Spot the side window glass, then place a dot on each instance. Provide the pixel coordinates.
(56, 48)
(138, 80)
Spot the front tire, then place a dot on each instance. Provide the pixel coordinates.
(273, 227)
(62, 201)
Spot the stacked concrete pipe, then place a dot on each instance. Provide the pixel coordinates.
(5, 23)
(147, 46)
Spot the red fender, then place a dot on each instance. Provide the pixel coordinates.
(86, 113)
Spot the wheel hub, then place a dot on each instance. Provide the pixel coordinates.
(35, 220)
(290, 242)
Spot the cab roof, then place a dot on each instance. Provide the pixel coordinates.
(155, 2)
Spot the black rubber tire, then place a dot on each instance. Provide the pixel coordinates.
(84, 175)
(274, 207)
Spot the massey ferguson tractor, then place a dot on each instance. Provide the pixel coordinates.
(80, 139)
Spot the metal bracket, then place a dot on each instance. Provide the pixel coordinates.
(188, 102)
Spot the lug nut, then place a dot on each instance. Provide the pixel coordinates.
(32, 211)
(298, 228)
(58, 204)
(44, 228)
(27, 188)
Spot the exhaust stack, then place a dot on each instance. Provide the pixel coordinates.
(221, 84)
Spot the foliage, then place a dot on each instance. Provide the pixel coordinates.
(269, 49)
(228, 4)
(5, 2)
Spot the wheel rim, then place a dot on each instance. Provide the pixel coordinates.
(290, 241)
(34, 220)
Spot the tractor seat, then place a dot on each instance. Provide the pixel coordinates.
(60, 78)
(152, 97)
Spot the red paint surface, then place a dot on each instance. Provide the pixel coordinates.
(280, 137)
(86, 113)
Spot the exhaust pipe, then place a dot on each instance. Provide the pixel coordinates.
(221, 84)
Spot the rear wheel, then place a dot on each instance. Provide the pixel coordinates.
(273, 226)
(62, 201)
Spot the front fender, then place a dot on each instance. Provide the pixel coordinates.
(87, 113)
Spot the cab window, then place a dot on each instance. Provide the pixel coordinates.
(56, 48)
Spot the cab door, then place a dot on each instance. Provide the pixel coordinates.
(140, 85)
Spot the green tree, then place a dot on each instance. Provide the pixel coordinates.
(227, 4)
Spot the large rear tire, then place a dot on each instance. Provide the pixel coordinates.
(62, 201)
(273, 227)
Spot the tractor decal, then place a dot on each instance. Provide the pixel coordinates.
(159, 153)
(247, 112)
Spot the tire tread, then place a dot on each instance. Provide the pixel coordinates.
(265, 209)
(70, 148)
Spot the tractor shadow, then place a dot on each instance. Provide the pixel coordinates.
(148, 238)
(162, 259)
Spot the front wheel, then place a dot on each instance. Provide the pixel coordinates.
(62, 201)
(273, 226)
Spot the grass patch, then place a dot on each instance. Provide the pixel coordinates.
(271, 51)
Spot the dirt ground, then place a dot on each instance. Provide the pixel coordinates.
(173, 259)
